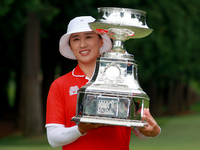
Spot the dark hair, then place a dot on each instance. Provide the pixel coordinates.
(100, 36)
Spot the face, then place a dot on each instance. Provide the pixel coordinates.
(85, 46)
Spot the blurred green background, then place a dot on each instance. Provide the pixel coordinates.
(178, 133)
(168, 67)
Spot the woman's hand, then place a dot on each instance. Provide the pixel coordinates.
(152, 129)
(85, 127)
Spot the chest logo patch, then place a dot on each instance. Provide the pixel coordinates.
(73, 90)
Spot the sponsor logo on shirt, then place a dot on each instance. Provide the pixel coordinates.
(73, 90)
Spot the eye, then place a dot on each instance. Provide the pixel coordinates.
(75, 39)
(87, 37)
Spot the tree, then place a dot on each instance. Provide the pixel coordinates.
(30, 81)
(31, 100)
(8, 30)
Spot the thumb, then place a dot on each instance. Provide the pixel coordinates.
(149, 119)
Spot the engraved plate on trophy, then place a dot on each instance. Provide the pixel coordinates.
(107, 106)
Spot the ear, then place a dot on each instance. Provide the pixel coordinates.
(101, 43)
(70, 46)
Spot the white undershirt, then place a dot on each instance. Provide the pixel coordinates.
(58, 135)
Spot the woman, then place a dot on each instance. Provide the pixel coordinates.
(81, 43)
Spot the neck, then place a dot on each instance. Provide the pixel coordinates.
(88, 69)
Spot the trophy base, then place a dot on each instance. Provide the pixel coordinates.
(109, 121)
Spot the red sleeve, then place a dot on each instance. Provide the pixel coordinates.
(55, 112)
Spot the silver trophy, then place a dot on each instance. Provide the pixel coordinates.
(114, 96)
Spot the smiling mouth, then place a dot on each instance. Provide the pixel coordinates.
(85, 52)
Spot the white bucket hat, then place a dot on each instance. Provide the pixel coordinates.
(80, 24)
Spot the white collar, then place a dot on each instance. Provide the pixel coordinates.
(87, 78)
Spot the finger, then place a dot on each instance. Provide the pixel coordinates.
(98, 125)
(147, 112)
(144, 130)
(149, 120)
(150, 131)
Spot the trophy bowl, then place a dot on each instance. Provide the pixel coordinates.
(122, 19)
(114, 96)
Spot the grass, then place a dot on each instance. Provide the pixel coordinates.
(178, 133)
(17, 142)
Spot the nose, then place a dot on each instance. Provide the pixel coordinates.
(83, 43)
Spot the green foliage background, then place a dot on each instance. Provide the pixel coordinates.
(168, 59)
